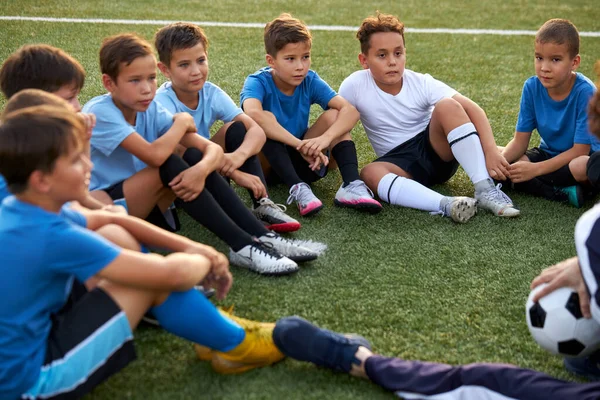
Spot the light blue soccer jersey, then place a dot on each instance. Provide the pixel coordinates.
(41, 254)
(213, 105)
(112, 163)
(292, 112)
(561, 124)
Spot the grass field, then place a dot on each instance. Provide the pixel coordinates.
(418, 286)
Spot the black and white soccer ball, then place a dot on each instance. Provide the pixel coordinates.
(556, 323)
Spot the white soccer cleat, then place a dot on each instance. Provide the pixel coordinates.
(262, 258)
(497, 202)
(289, 247)
(274, 216)
(357, 195)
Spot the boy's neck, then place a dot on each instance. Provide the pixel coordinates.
(39, 200)
(189, 99)
(285, 88)
(129, 114)
(563, 91)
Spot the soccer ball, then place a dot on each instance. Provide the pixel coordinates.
(556, 323)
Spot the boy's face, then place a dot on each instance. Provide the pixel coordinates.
(554, 66)
(70, 178)
(135, 86)
(70, 93)
(188, 69)
(386, 59)
(290, 65)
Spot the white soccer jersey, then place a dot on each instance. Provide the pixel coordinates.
(392, 120)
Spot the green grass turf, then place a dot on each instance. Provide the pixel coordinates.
(417, 285)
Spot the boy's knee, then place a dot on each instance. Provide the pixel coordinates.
(192, 156)
(578, 168)
(330, 116)
(119, 236)
(172, 167)
(234, 137)
(370, 176)
(448, 105)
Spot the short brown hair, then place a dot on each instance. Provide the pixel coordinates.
(284, 30)
(177, 36)
(121, 49)
(559, 31)
(32, 139)
(376, 24)
(39, 66)
(33, 97)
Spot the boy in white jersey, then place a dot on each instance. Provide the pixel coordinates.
(421, 130)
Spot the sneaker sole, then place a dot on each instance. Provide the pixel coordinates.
(463, 211)
(284, 227)
(368, 207)
(304, 258)
(312, 212)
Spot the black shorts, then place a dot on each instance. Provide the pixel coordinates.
(89, 341)
(535, 155)
(419, 159)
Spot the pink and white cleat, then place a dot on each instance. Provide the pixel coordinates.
(357, 195)
(308, 203)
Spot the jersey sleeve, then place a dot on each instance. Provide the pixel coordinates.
(253, 89)
(164, 119)
(436, 90)
(73, 216)
(526, 120)
(80, 252)
(348, 91)
(166, 101)
(320, 92)
(225, 109)
(110, 130)
(582, 130)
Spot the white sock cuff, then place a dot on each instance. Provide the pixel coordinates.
(386, 183)
(461, 132)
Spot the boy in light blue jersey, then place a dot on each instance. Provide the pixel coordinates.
(183, 53)
(279, 98)
(57, 340)
(554, 102)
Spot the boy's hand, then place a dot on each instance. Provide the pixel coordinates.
(89, 121)
(115, 209)
(188, 184)
(497, 166)
(566, 273)
(522, 171)
(231, 162)
(250, 182)
(219, 277)
(315, 163)
(187, 121)
(312, 147)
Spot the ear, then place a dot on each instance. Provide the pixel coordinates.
(38, 182)
(576, 62)
(108, 83)
(270, 60)
(164, 70)
(362, 59)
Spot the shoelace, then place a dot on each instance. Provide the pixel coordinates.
(359, 188)
(268, 249)
(301, 193)
(265, 201)
(495, 192)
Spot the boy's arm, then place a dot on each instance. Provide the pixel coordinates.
(267, 121)
(522, 171)
(497, 165)
(517, 146)
(253, 142)
(156, 153)
(347, 117)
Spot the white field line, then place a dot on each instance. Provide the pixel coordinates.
(499, 32)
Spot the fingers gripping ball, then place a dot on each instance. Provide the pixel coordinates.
(557, 325)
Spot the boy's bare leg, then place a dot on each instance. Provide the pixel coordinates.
(372, 173)
(144, 190)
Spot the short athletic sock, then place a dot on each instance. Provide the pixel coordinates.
(344, 154)
(205, 209)
(281, 163)
(190, 315)
(234, 137)
(466, 148)
(401, 191)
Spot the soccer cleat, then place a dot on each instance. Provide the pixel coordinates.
(256, 350)
(460, 209)
(262, 258)
(299, 339)
(496, 201)
(357, 195)
(587, 367)
(307, 202)
(288, 247)
(574, 195)
(274, 216)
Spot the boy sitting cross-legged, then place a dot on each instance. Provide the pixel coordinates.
(59, 340)
(554, 102)
(279, 97)
(133, 146)
(183, 52)
(421, 130)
